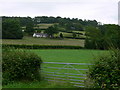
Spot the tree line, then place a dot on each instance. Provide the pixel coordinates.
(97, 36)
(63, 24)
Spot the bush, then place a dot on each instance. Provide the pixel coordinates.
(105, 73)
(18, 64)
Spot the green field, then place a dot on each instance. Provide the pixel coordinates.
(60, 55)
(44, 26)
(44, 41)
(68, 56)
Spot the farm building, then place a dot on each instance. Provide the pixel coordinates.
(40, 35)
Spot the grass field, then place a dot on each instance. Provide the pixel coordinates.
(59, 55)
(68, 56)
(43, 26)
(44, 41)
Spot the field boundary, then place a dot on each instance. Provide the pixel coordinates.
(24, 46)
(77, 79)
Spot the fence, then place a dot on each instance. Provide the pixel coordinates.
(74, 73)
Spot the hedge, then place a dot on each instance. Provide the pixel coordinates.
(41, 46)
(105, 73)
(18, 65)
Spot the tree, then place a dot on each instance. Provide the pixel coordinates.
(102, 37)
(11, 29)
(61, 35)
(93, 38)
(29, 26)
(51, 31)
(111, 34)
(74, 35)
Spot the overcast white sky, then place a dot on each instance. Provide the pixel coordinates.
(105, 11)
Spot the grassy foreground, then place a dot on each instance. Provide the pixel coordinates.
(36, 84)
(59, 55)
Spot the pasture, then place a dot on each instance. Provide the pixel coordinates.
(63, 56)
(68, 55)
(44, 41)
(43, 26)
(67, 72)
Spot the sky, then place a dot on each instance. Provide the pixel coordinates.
(104, 11)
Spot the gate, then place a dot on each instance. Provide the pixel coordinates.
(74, 73)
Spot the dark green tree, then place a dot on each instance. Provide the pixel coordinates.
(11, 29)
(51, 31)
(29, 27)
(93, 38)
(61, 35)
(74, 35)
(102, 37)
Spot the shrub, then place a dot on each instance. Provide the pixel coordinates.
(18, 64)
(105, 73)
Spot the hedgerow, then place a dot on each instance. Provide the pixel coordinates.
(41, 46)
(18, 64)
(105, 73)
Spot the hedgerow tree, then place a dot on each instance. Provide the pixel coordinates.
(11, 29)
(52, 30)
(61, 35)
(29, 26)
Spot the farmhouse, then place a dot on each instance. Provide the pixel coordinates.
(40, 35)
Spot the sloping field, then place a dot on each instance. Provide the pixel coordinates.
(44, 41)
